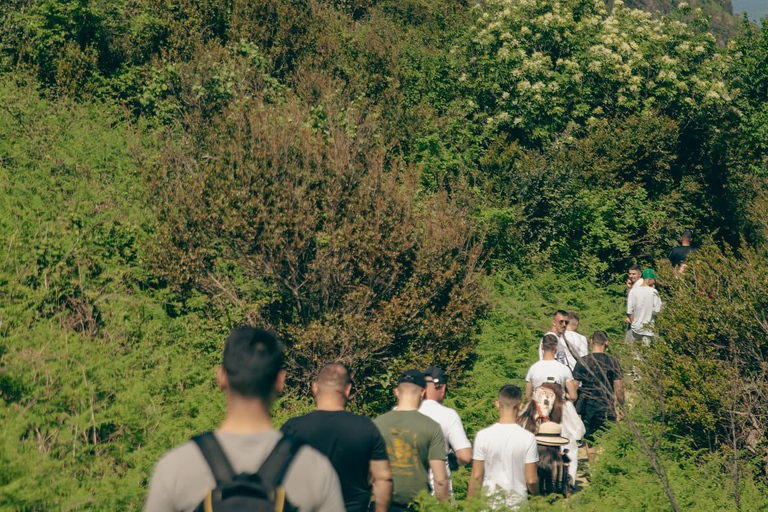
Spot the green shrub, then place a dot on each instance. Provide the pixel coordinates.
(295, 219)
(711, 364)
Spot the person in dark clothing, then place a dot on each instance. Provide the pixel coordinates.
(679, 254)
(601, 382)
(353, 443)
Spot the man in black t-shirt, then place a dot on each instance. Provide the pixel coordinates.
(678, 255)
(601, 381)
(352, 443)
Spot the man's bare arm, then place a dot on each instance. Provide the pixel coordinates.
(573, 389)
(532, 478)
(618, 389)
(528, 391)
(382, 484)
(440, 475)
(476, 477)
(464, 456)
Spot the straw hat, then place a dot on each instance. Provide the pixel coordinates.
(549, 434)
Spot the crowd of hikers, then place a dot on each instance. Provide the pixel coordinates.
(332, 460)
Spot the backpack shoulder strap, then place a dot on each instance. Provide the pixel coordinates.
(273, 470)
(215, 457)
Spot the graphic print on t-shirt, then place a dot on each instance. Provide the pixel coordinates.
(404, 455)
(412, 441)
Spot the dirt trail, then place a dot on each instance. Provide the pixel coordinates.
(581, 481)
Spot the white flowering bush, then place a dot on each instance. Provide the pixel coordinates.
(533, 67)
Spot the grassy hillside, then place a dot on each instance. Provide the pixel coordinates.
(386, 183)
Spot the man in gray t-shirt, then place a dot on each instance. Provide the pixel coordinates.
(251, 375)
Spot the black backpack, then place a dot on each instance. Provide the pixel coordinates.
(257, 492)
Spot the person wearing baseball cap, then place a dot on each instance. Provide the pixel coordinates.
(642, 307)
(457, 444)
(415, 444)
(649, 273)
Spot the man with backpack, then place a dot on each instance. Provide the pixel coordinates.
(351, 442)
(246, 464)
(576, 344)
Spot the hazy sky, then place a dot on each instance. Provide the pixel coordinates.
(755, 8)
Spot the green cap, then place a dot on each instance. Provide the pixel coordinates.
(649, 273)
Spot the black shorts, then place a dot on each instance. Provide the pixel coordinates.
(595, 416)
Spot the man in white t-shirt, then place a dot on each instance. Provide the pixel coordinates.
(505, 457)
(576, 345)
(642, 307)
(634, 281)
(448, 419)
(559, 323)
(550, 370)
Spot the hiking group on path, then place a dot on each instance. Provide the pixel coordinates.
(332, 460)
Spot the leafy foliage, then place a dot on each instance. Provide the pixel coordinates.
(711, 370)
(359, 175)
(352, 265)
(540, 65)
(601, 121)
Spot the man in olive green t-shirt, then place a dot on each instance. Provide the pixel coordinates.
(414, 443)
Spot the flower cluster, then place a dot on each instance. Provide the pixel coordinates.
(550, 63)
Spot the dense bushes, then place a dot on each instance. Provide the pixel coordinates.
(599, 134)
(711, 368)
(80, 342)
(358, 175)
(491, 94)
(297, 220)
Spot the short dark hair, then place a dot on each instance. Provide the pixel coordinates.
(334, 375)
(636, 267)
(600, 338)
(687, 234)
(252, 359)
(510, 395)
(573, 317)
(550, 342)
(560, 312)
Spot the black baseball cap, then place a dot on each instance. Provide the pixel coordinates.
(438, 375)
(412, 377)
